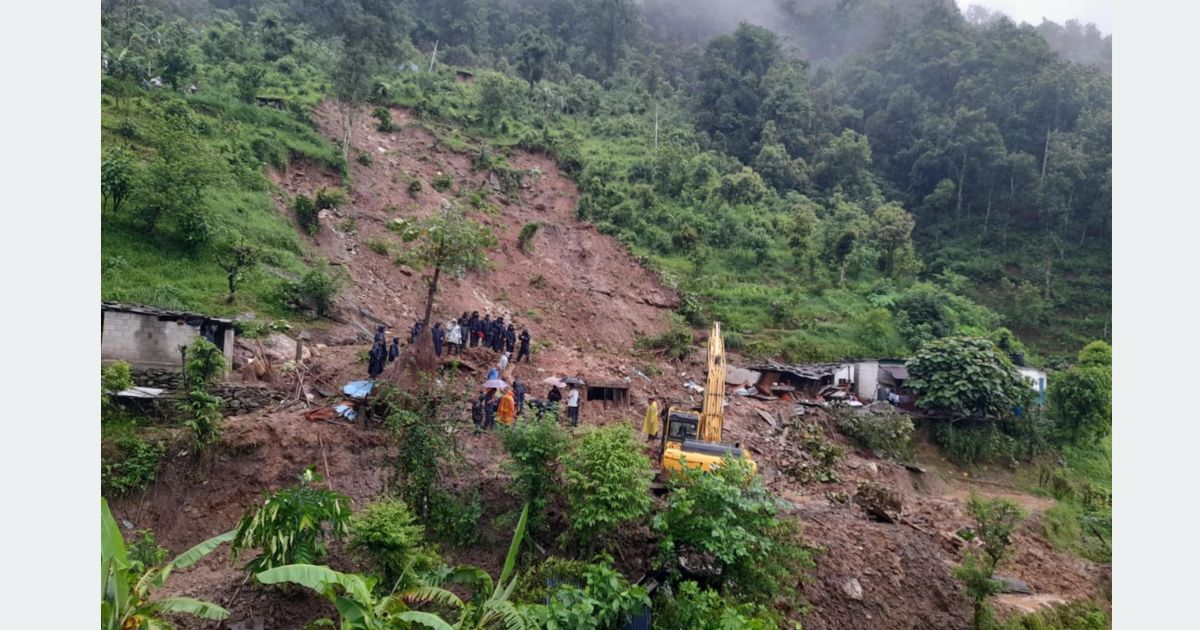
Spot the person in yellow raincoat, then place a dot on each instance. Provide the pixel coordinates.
(650, 426)
(507, 410)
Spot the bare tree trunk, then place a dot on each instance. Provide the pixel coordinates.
(962, 177)
(987, 215)
(1046, 290)
(1045, 154)
(433, 56)
(842, 274)
(1083, 235)
(437, 273)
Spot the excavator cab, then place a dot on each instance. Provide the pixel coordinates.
(680, 444)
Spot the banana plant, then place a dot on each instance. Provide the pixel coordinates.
(360, 609)
(125, 602)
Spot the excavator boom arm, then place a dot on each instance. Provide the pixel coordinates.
(712, 415)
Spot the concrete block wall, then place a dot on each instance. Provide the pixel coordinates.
(145, 341)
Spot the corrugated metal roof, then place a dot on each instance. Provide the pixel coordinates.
(811, 371)
(150, 310)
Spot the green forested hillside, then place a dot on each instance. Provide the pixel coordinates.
(826, 192)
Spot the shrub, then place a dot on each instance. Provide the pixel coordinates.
(419, 424)
(705, 609)
(976, 576)
(145, 552)
(306, 214)
(725, 524)
(389, 533)
(291, 525)
(966, 377)
(114, 377)
(455, 518)
(202, 412)
(442, 182)
(595, 597)
(205, 363)
(888, 431)
(379, 246)
(132, 466)
(995, 521)
(525, 238)
(607, 483)
(414, 187)
(365, 158)
(127, 129)
(817, 456)
(314, 291)
(967, 443)
(385, 119)
(1076, 615)
(330, 197)
(534, 447)
(675, 343)
(1080, 401)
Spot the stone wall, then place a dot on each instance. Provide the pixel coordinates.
(236, 399)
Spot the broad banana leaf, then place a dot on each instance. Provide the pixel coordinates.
(194, 607)
(429, 594)
(501, 614)
(429, 620)
(514, 548)
(317, 578)
(474, 577)
(114, 567)
(187, 559)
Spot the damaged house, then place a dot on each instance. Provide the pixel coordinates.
(805, 381)
(152, 338)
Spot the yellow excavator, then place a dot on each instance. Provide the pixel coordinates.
(694, 440)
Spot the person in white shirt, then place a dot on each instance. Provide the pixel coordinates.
(503, 365)
(573, 406)
(454, 337)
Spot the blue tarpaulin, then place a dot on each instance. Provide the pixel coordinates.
(357, 389)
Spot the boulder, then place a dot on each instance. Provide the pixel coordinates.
(853, 589)
(881, 503)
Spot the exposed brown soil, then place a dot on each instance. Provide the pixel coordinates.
(593, 301)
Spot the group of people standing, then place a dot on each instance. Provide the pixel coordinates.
(488, 407)
(490, 333)
(381, 354)
(453, 338)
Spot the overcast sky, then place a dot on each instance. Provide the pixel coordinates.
(1032, 11)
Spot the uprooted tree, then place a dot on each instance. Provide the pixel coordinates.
(446, 242)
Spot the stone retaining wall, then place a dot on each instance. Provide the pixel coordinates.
(236, 399)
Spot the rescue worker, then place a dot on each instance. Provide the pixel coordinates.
(524, 348)
(519, 395)
(394, 351)
(438, 336)
(507, 409)
(454, 337)
(650, 426)
(377, 360)
(473, 328)
(485, 331)
(510, 338)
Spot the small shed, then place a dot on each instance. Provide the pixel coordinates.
(874, 377)
(150, 338)
(607, 391)
(1036, 379)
